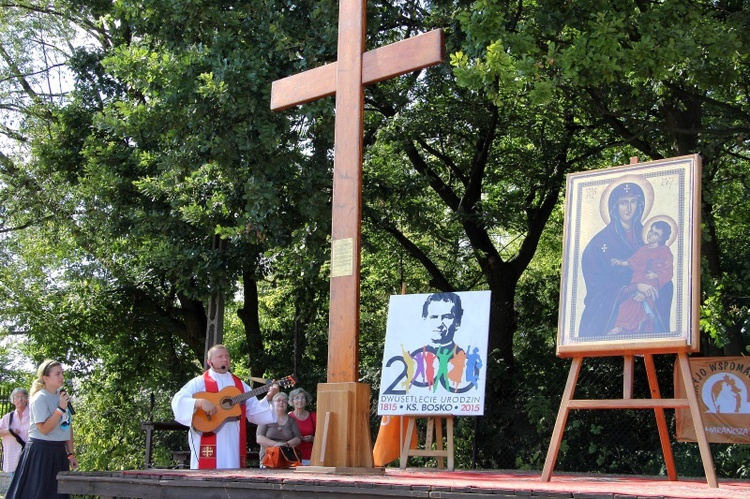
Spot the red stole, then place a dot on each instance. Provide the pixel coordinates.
(207, 451)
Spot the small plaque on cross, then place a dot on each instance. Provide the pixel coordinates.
(342, 257)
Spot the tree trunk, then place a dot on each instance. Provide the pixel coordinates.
(301, 322)
(248, 314)
(503, 318)
(195, 321)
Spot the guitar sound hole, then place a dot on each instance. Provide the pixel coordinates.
(226, 403)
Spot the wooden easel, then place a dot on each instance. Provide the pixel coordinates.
(656, 403)
(434, 429)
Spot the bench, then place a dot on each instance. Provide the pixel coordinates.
(150, 427)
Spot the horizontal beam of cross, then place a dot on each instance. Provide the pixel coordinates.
(377, 65)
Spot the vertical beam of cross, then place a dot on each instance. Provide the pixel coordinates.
(347, 78)
(343, 332)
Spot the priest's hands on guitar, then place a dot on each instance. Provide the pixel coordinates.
(215, 408)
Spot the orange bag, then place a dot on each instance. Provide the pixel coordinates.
(281, 457)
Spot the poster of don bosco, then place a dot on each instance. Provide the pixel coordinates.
(435, 354)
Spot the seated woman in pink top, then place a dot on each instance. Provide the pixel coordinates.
(305, 420)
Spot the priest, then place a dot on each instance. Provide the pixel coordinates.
(226, 447)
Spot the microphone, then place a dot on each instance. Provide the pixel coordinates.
(70, 406)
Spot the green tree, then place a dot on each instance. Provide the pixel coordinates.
(666, 79)
(165, 143)
(648, 79)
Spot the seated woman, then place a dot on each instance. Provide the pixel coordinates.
(305, 420)
(284, 432)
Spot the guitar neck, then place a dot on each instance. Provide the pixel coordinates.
(252, 393)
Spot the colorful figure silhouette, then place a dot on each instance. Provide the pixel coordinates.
(443, 355)
(473, 365)
(410, 364)
(429, 361)
(419, 358)
(457, 373)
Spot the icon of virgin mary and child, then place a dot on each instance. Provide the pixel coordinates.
(628, 266)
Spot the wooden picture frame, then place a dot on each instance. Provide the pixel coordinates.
(631, 260)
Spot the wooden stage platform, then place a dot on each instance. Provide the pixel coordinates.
(393, 482)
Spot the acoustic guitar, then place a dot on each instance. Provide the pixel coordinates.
(227, 403)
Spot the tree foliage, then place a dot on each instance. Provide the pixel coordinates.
(664, 78)
(160, 179)
(155, 175)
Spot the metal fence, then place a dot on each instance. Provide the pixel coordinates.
(5, 407)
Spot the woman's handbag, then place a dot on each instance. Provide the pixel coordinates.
(281, 457)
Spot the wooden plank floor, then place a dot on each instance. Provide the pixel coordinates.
(412, 482)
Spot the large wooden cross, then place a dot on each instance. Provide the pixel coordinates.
(347, 78)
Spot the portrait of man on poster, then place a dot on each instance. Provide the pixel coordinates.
(443, 312)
